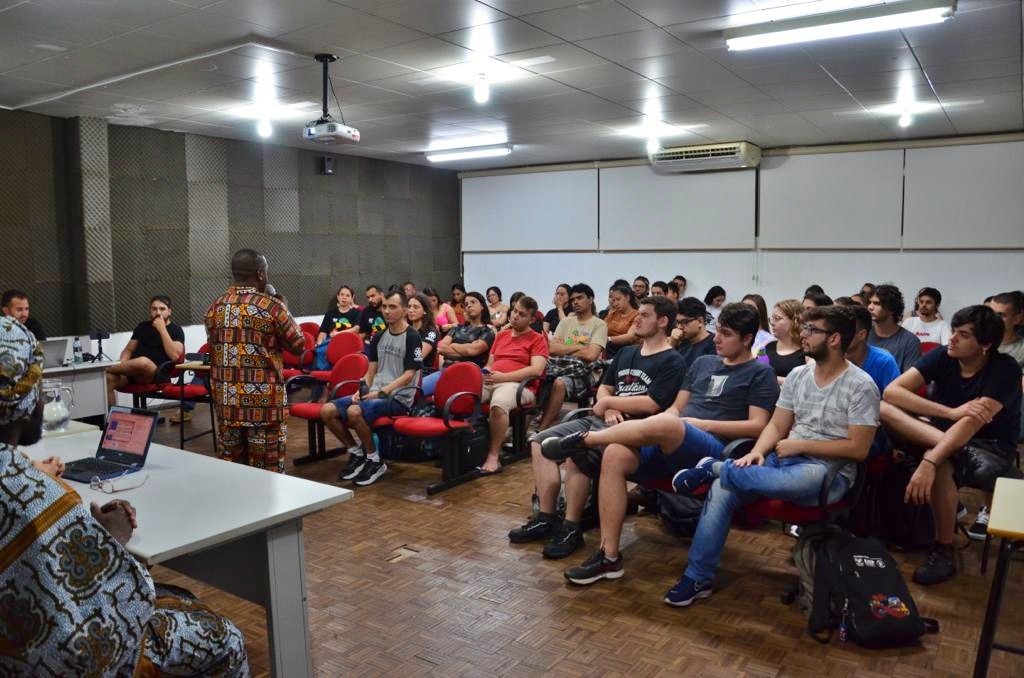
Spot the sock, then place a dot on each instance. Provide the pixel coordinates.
(373, 456)
(357, 450)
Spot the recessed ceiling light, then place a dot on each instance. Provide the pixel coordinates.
(51, 48)
(464, 142)
(655, 129)
(469, 153)
(274, 111)
(824, 26)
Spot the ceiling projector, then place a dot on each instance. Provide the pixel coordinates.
(325, 130)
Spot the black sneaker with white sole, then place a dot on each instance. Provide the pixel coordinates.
(536, 528)
(567, 538)
(939, 566)
(559, 449)
(979, 530)
(353, 467)
(595, 568)
(371, 472)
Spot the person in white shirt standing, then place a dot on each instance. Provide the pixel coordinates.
(927, 325)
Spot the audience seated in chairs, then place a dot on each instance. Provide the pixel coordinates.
(341, 316)
(641, 381)
(974, 423)
(886, 306)
(721, 398)
(498, 311)
(785, 353)
(622, 310)
(562, 308)
(518, 353)
(816, 299)
(153, 343)
(714, 300)
(458, 297)
(826, 414)
(467, 342)
(680, 280)
(764, 335)
(536, 323)
(371, 320)
(690, 335)
(395, 362)
(927, 325)
(641, 287)
(444, 316)
(421, 319)
(578, 342)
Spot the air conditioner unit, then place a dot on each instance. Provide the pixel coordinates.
(735, 155)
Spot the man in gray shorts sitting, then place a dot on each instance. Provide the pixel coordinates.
(642, 380)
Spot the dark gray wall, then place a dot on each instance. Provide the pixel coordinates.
(179, 205)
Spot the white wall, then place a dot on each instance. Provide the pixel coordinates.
(838, 220)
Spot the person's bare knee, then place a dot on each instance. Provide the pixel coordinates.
(618, 461)
(328, 412)
(355, 413)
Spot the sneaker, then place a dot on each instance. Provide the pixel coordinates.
(687, 591)
(566, 539)
(560, 449)
(534, 529)
(177, 418)
(353, 467)
(371, 472)
(979, 530)
(597, 567)
(961, 512)
(689, 479)
(938, 567)
(793, 531)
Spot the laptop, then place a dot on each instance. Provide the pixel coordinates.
(55, 351)
(123, 446)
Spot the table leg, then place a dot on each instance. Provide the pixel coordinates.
(269, 569)
(995, 599)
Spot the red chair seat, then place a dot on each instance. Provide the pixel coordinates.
(289, 372)
(309, 411)
(186, 392)
(786, 512)
(140, 388)
(321, 375)
(426, 427)
(383, 422)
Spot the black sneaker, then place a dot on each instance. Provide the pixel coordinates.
(979, 530)
(564, 542)
(594, 569)
(371, 472)
(938, 567)
(560, 449)
(961, 512)
(536, 528)
(353, 467)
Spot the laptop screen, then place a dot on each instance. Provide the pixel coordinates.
(127, 434)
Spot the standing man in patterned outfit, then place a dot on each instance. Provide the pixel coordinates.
(247, 330)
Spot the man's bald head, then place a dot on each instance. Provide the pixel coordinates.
(249, 267)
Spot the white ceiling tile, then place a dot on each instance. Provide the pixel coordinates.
(363, 68)
(238, 66)
(974, 70)
(736, 95)
(873, 62)
(931, 125)
(20, 49)
(882, 97)
(357, 32)
(669, 104)
(708, 77)
(775, 123)
(14, 91)
(424, 54)
(277, 56)
(553, 58)
(858, 44)
(521, 7)
(417, 83)
(437, 17)
(883, 80)
(205, 101)
(281, 16)
(591, 20)
(406, 106)
(635, 45)
(666, 12)
(804, 88)
(135, 14)
(60, 109)
(785, 72)
(631, 91)
(726, 130)
(529, 88)
(76, 67)
(818, 103)
(974, 49)
(168, 83)
(306, 79)
(462, 97)
(751, 108)
(595, 76)
(205, 26)
(668, 65)
(501, 37)
(974, 88)
(997, 20)
(1001, 113)
(750, 58)
(70, 23)
(145, 48)
(691, 116)
(364, 94)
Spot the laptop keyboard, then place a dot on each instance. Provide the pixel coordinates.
(97, 466)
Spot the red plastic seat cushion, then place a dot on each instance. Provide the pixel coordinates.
(140, 388)
(785, 512)
(305, 410)
(321, 375)
(426, 427)
(288, 373)
(186, 392)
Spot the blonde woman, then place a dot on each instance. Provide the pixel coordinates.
(785, 353)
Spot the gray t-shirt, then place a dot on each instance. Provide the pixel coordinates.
(726, 392)
(851, 399)
(904, 347)
(394, 354)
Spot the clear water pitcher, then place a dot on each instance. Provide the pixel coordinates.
(56, 413)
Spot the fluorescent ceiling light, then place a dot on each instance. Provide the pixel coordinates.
(469, 153)
(470, 72)
(465, 142)
(534, 61)
(840, 24)
(657, 130)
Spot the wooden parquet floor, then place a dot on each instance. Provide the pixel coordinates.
(405, 585)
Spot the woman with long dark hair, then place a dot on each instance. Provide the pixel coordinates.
(421, 317)
(458, 297)
(622, 311)
(562, 308)
(342, 315)
(714, 300)
(763, 336)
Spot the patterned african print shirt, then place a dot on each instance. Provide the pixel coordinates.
(247, 331)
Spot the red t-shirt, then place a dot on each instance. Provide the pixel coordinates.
(513, 353)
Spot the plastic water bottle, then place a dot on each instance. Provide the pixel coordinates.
(76, 347)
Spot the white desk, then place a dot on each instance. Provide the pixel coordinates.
(235, 527)
(88, 382)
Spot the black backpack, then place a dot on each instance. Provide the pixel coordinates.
(858, 589)
(680, 512)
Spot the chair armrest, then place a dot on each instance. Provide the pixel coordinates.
(446, 413)
(738, 448)
(300, 381)
(577, 413)
(523, 385)
(302, 358)
(340, 384)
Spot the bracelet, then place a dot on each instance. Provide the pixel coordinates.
(930, 462)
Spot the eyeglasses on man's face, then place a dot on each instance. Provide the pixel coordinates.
(682, 322)
(808, 328)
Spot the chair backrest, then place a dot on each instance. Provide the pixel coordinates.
(350, 368)
(291, 360)
(927, 346)
(464, 376)
(343, 344)
(312, 328)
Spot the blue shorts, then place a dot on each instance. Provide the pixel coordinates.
(373, 409)
(697, 444)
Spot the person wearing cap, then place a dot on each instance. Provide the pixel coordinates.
(75, 602)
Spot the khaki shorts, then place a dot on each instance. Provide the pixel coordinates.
(503, 395)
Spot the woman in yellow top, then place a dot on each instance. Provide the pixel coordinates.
(622, 311)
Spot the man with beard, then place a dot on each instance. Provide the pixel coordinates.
(826, 414)
(886, 307)
(371, 322)
(641, 381)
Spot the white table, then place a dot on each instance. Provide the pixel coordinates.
(88, 382)
(234, 527)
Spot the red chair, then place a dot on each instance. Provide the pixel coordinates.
(140, 393)
(343, 379)
(192, 393)
(927, 346)
(519, 418)
(294, 365)
(458, 394)
(341, 345)
(311, 328)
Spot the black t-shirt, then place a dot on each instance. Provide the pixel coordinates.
(33, 326)
(691, 352)
(999, 380)
(336, 320)
(430, 335)
(150, 346)
(371, 322)
(657, 375)
(552, 320)
(467, 334)
(784, 364)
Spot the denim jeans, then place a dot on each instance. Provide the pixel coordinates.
(795, 479)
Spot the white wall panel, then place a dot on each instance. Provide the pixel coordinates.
(832, 200)
(540, 211)
(965, 197)
(641, 209)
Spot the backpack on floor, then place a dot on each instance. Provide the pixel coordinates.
(858, 588)
(679, 512)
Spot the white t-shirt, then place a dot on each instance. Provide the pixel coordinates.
(936, 331)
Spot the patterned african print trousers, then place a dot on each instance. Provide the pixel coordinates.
(259, 446)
